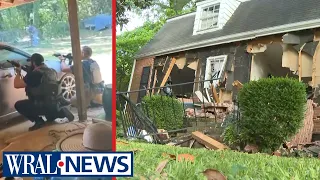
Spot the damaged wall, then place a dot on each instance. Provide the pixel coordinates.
(270, 62)
(242, 64)
(182, 76)
(290, 58)
(259, 67)
(237, 65)
(282, 60)
(177, 76)
(236, 68)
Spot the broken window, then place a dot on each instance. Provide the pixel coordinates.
(209, 17)
(214, 69)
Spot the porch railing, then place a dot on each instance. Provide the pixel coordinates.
(198, 106)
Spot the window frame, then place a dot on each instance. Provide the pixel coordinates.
(211, 17)
(209, 73)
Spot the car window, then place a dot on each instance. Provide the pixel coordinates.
(10, 55)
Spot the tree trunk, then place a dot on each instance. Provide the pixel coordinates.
(36, 18)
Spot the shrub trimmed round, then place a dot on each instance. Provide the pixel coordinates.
(166, 112)
(272, 111)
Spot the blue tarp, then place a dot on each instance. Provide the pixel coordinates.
(100, 22)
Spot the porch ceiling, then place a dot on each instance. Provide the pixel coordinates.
(12, 3)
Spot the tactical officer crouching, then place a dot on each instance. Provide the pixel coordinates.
(29, 108)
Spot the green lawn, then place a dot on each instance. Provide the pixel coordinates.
(234, 165)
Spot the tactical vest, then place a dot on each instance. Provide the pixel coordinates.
(95, 79)
(48, 88)
(48, 74)
(94, 72)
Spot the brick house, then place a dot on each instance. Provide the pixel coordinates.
(232, 40)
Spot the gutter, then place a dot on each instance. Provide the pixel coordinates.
(238, 37)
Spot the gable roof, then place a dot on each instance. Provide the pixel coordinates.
(255, 18)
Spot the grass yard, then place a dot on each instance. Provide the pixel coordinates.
(234, 165)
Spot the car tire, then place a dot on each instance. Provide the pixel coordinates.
(68, 88)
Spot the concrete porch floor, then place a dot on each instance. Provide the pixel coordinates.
(17, 137)
(19, 126)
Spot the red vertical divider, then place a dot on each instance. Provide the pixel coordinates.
(114, 26)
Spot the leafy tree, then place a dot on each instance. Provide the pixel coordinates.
(128, 44)
(162, 8)
(50, 17)
(128, 5)
(175, 7)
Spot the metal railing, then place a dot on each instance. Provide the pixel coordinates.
(135, 117)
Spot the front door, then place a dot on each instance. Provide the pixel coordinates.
(8, 94)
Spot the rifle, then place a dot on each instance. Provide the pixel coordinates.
(26, 68)
(68, 56)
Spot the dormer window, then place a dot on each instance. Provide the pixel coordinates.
(212, 15)
(209, 17)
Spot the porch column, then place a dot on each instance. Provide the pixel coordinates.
(76, 52)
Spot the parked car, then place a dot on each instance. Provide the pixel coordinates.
(9, 95)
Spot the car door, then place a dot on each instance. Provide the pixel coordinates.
(8, 94)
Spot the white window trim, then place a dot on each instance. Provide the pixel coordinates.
(200, 6)
(201, 18)
(208, 70)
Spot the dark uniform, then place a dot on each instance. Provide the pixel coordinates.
(28, 107)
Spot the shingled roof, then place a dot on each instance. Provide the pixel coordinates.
(255, 18)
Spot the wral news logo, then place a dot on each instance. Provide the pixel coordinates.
(51, 164)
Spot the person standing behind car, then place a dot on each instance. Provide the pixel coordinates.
(94, 85)
(33, 34)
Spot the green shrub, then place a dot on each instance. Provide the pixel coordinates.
(230, 135)
(166, 112)
(272, 111)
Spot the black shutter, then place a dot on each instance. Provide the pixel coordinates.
(144, 82)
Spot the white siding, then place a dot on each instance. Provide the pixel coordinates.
(228, 7)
